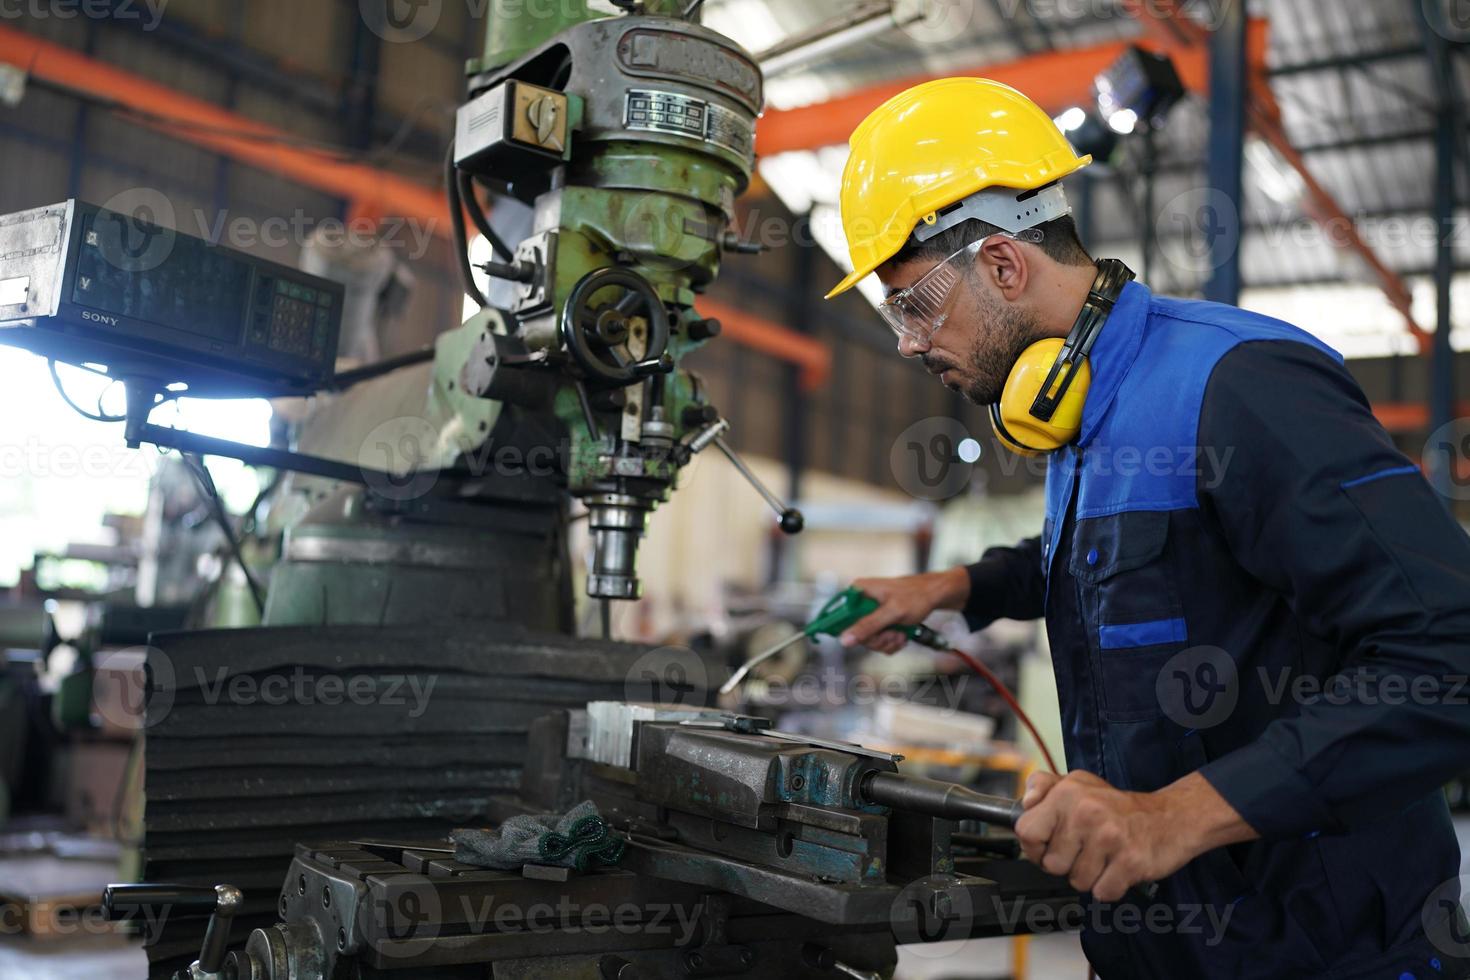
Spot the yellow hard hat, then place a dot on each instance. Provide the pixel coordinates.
(938, 144)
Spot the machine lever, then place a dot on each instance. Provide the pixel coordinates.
(222, 901)
(950, 801)
(934, 798)
(818, 957)
(791, 520)
(656, 365)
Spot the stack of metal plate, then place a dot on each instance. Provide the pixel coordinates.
(258, 739)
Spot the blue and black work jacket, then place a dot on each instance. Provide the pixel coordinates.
(1242, 577)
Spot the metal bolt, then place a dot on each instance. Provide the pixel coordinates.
(301, 884)
(341, 938)
(798, 781)
(326, 897)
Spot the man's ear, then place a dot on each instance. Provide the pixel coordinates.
(1002, 262)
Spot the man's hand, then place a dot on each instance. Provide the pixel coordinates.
(906, 600)
(1105, 841)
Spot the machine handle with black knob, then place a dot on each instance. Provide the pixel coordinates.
(951, 801)
(221, 901)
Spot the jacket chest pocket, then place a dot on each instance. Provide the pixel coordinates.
(1131, 607)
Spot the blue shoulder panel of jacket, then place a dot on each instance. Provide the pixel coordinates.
(1151, 365)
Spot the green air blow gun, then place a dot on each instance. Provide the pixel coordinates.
(836, 617)
(852, 604)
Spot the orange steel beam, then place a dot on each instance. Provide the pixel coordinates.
(811, 355)
(370, 191)
(209, 126)
(1055, 80)
(1166, 26)
(1403, 417)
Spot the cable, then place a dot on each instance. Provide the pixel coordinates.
(250, 520)
(461, 239)
(477, 215)
(61, 390)
(1010, 700)
(346, 379)
(100, 416)
(211, 494)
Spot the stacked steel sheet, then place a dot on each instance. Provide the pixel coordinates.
(259, 739)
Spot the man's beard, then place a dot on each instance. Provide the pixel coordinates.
(1008, 332)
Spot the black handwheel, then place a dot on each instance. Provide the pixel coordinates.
(595, 334)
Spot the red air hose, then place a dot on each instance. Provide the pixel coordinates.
(1010, 700)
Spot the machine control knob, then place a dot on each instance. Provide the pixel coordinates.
(705, 329)
(699, 416)
(792, 521)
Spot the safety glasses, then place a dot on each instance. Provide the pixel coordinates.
(921, 309)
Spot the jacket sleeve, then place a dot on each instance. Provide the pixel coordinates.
(1317, 504)
(1006, 583)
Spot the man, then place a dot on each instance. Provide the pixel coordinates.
(1258, 610)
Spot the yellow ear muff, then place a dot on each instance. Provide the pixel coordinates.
(1020, 431)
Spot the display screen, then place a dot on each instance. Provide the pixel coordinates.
(134, 269)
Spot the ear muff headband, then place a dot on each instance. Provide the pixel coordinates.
(1107, 285)
(1026, 421)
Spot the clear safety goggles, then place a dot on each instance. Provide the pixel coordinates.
(921, 309)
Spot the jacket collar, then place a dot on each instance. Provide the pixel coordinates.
(1113, 355)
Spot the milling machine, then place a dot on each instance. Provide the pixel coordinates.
(430, 556)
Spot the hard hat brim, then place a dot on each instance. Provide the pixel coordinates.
(857, 276)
